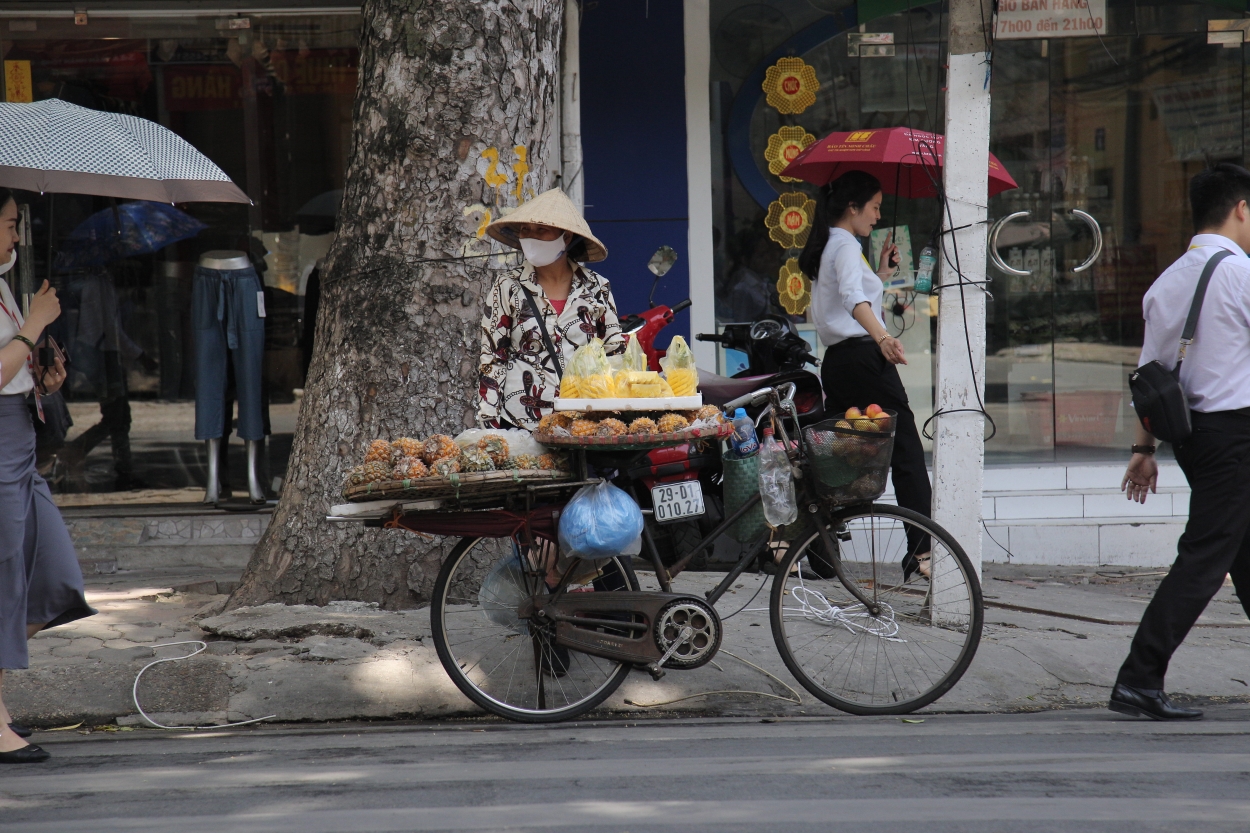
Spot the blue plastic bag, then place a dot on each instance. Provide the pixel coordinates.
(599, 522)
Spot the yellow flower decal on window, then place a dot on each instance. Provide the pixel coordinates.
(790, 85)
(794, 289)
(789, 219)
(783, 146)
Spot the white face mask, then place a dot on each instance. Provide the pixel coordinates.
(4, 267)
(542, 252)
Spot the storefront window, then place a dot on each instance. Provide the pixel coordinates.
(1110, 127)
(268, 97)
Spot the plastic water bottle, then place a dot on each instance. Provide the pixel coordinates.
(743, 440)
(776, 483)
(924, 272)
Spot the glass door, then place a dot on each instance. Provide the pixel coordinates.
(1103, 137)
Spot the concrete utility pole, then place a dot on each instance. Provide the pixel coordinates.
(959, 447)
(571, 178)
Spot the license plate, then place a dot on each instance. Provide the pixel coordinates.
(677, 501)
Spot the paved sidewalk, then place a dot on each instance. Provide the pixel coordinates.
(1054, 637)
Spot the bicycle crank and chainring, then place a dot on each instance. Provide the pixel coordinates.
(687, 631)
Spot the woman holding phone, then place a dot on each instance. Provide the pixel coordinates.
(859, 367)
(40, 581)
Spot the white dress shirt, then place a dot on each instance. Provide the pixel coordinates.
(845, 280)
(1216, 373)
(23, 382)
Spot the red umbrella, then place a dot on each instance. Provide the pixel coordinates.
(907, 161)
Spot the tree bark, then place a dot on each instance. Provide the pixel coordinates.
(452, 126)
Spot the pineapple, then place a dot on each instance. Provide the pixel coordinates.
(708, 412)
(496, 447)
(553, 462)
(527, 462)
(410, 468)
(475, 459)
(439, 447)
(379, 452)
(669, 423)
(584, 428)
(374, 471)
(446, 467)
(509, 464)
(611, 427)
(556, 419)
(405, 447)
(643, 425)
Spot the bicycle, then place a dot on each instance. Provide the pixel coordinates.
(535, 640)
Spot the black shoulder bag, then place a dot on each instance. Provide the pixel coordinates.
(542, 331)
(1157, 395)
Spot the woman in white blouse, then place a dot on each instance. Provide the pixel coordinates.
(859, 365)
(40, 581)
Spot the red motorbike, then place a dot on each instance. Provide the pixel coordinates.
(680, 488)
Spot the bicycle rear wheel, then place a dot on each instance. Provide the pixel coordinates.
(922, 637)
(507, 665)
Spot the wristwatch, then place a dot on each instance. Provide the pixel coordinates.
(1143, 449)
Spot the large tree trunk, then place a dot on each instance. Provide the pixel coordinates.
(453, 121)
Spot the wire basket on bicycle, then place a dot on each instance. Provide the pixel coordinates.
(850, 458)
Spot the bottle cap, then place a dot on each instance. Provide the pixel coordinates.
(741, 412)
(768, 432)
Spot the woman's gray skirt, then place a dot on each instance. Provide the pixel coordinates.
(40, 580)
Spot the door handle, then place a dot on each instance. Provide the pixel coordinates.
(995, 257)
(1097, 231)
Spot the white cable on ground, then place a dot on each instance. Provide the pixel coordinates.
(134, 692)
(797, 700)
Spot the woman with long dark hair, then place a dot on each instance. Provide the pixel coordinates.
(860, 363)
(40, 581)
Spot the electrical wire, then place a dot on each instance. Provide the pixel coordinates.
(134, 691)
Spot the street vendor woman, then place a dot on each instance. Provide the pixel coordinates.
(552, 303)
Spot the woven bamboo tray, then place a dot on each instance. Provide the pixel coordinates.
(470, 486)
(636, 442)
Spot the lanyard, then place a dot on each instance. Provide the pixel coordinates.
(30, 361)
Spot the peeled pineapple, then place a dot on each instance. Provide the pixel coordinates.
(643, 425)
(446, 466)
(683, 381)
(611, 427)
(496, 447)
(475, 459)
(569, 387)
(670, 423)
(379, 452)
(410, 468)
(584, 428)
(439, 447)
(598, 386)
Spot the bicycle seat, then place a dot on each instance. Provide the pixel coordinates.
(717, 390)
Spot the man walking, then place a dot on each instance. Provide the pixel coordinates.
(1215, 377)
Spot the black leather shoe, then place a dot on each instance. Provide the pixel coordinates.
(28, 754)
(1148, 702)
(20, 730)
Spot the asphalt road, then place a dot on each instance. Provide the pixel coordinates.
(1084, 770)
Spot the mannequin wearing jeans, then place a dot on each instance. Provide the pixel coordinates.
(228, 312)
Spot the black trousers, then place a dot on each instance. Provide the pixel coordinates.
(855, 374)
(1216, 462)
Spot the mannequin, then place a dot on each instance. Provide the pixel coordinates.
(228, 311)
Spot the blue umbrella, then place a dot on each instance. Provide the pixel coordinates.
(145, 227)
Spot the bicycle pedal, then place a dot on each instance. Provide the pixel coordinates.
(655, 670)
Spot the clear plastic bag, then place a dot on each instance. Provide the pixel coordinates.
(599, 522)
(503, 591)
(776, 483)
(634, 358)
(589, 373)
(679, 368)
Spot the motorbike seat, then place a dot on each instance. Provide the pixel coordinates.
(717, 390)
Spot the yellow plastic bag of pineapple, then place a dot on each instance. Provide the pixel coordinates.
(590, 372)
(679, 368)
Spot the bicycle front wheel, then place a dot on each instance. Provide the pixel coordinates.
(508, 665)
(914, 639)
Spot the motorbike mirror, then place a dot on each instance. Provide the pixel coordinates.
(662, 261)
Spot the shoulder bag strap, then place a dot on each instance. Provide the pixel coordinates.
(1191, 323)
(542, 331)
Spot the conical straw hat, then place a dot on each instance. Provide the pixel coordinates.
(550, 208)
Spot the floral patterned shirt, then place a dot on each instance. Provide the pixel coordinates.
(517, 381)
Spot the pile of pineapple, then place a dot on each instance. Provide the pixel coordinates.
(441, 456)
(562, 423)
